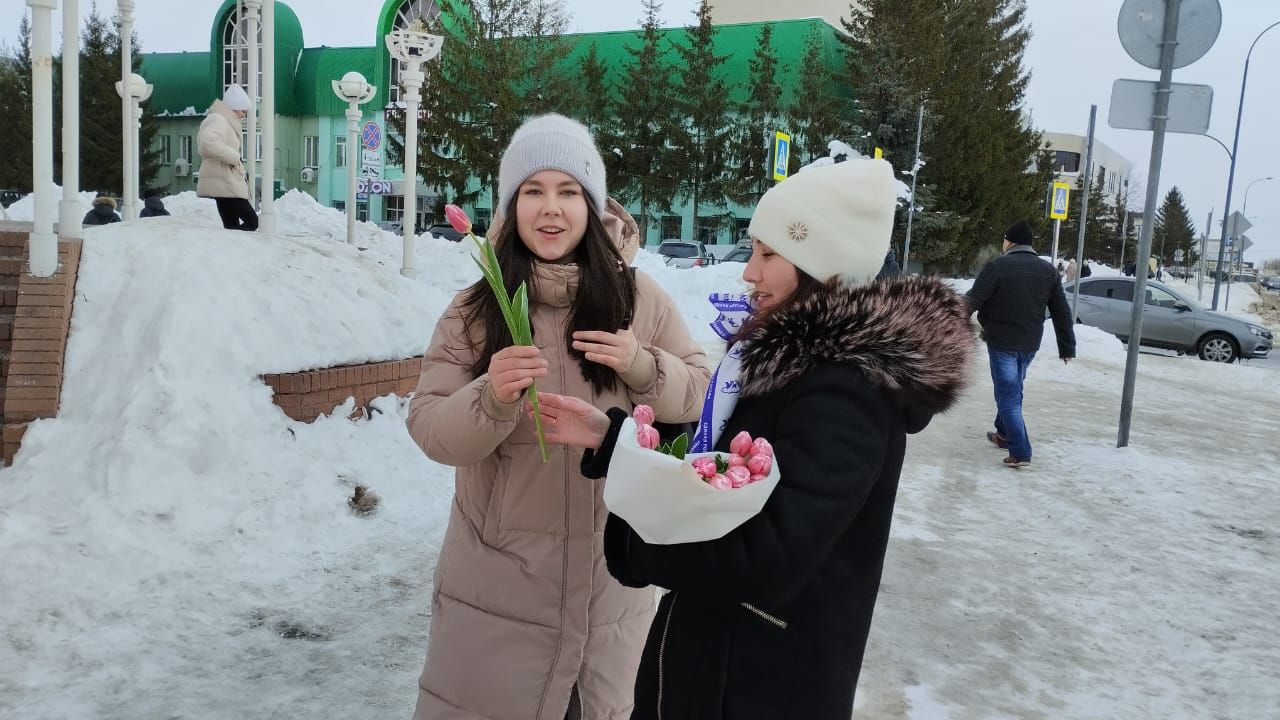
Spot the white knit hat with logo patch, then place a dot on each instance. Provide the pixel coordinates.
(831, 220)
(552, 142)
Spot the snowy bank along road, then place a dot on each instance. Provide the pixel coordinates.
(175, 547)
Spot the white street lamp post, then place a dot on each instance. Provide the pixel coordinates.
(44, 244)
(134, 95)
(355, 91)
(267, 218)
(70, 214)
(130, 209)
(251, 8)
(411, 46)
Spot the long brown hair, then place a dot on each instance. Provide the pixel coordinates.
(806, 287)
(605, 299)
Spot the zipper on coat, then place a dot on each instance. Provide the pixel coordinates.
(662, 650)
(781, 624)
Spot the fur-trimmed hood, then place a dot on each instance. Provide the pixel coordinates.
(909, 336)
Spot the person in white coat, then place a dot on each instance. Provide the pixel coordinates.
(222, 174)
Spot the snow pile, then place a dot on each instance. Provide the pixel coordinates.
(23, 210)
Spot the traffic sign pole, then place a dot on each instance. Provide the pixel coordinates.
(1084, 209)
(1159, 120)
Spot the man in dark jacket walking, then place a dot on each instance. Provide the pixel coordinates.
(1010, 297)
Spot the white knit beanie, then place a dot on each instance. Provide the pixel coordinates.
(552, 142)
(831, 220)
(236, 98)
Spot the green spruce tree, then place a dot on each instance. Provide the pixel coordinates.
(597, 109)
(496, 69)
(1174, 229)
(758, 118)
(649, 169)
(15, 104)
(814, 114)
(704, 140)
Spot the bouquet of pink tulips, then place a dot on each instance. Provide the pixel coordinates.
(670, 496)
(749, 461)
(515, 310)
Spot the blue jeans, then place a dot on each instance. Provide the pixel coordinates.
(1008, 371)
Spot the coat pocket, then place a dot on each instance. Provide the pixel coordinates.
(491, 524)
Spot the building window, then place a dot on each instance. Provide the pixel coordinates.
(1066, 162)
(740, 233)
(184, 147)
(410, 12)
(362, 210)
(235, 52)
(340, 151)
(311, 151)
(164, 144)
(393, 208)
(671, 227)
(257, 147)
(339, 205)
(484, 216)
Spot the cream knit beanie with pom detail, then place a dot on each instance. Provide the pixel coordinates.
(552, 142)
(831, 220)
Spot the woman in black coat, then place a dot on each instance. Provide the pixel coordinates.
(771, 620)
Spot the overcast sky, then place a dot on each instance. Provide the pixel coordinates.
(1074, 56)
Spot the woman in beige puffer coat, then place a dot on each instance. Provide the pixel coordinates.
(526, 622)
(222, 175)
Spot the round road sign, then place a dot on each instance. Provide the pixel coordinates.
(1141, 27)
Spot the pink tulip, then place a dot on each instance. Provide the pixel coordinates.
(457, 218)
(741, 444)
(738, 476)
(647, 437)
(761, 447)
(758, 478)
(760, 464)
(643, 415)
(705, 467)
(720, 482)
(737, 461)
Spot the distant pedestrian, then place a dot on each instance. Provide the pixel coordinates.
(890, 268)
(1071, 272)
(222, 174)
(103, 212)
(152, 205)
(1010, 297)
(1085, 270)
(1130, 269)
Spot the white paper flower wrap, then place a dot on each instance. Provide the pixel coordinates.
(665, 501)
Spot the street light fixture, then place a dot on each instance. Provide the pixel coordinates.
(134, 95)
(411, 46)
(1235, 152)
(355, 91)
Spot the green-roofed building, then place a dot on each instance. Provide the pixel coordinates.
(311, 132)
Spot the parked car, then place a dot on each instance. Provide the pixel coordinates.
(446, 231)
(740, 253)
(1170, 320)
(9, 197)
(1272, 283)
(685, 253)
(395, 227)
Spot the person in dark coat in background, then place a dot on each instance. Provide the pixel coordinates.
(770, 621)
(102, 213)
(1010, 297)
(152, 205)
(891, 268)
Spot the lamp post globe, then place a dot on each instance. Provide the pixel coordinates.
(355, 91)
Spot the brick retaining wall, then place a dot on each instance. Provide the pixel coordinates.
(307, 395)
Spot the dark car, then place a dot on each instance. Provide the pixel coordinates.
(1272, 283)
(446, 231)
(1170, 320)
(9, 197)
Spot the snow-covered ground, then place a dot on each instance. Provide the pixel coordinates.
(174, 546)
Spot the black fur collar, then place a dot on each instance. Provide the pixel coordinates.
(910, 336)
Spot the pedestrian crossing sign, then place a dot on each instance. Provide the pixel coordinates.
(781, 155)
(1059, 196)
